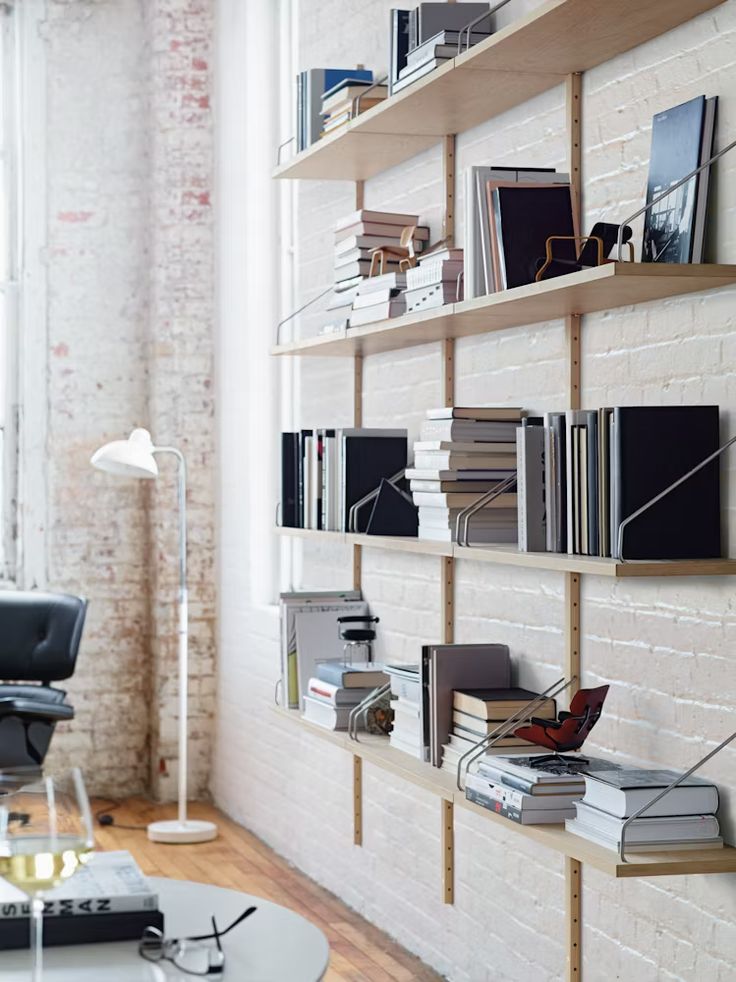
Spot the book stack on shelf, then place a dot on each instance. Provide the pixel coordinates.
(531, 792)
(426, 37)
(582, 472)
(685, 818)
(462, 453)
(341, 103)
(478, 712)
(356, 235)
(378, 298)
(406, 703)
(107, 899)
(311, 86)
(337, 689)
(483, 249)
(435, 281)
(324, 472)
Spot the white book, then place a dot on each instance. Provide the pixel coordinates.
(468, 430)
(623, 791)
(404, 747)
(378, 312)
(108, 883)
(479, 536)
(454, 446)
(577, 827)
(462, 474)
(323, 714)
(433, 499)
(657, 829)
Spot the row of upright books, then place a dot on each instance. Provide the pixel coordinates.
(462, 453)
(581, 473)
(324, 472)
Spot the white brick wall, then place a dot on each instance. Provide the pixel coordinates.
(665, 646)
(129, 327)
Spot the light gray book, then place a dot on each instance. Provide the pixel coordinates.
(530, 488)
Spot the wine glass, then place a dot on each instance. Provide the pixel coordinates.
(46, 831)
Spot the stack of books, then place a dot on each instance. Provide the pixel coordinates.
(531, 795)
(581, 472)
(426, 37)
(337, 690)
(478, 712)
(406, 701)
(355, 236)
(107, 899)
(684, 819)
(378, 298)
(462, 453)
(434, 282)
(311, 86)
(339, 103)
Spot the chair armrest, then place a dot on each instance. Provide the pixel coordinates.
(547, 724)
(35, 708)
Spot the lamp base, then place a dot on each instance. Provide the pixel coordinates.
(176, 832)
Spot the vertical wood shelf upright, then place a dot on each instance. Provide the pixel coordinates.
(387, 131)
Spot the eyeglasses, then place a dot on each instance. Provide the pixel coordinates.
(189, 955)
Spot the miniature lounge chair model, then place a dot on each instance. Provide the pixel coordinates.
(404, 252)
(594, 251)
(569, 731)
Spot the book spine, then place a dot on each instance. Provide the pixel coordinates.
(82, 907)
(499, 807)
(125, 926)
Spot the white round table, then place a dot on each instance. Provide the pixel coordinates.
(273, 945)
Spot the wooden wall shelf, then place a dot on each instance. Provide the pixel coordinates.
(589, 291)
(533, 54)
(377, 751)
(506, 555)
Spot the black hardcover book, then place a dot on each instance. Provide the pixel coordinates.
(80, 929)
(559, 436)
(366, 460)
(290, 480)
(654, 446)
(676, 143)
(399, 46)
(524, 216)
(301, 471)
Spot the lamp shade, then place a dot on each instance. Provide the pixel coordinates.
(128, 458)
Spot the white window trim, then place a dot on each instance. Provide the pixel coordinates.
(31, 374)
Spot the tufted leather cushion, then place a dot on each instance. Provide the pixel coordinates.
(39, 634)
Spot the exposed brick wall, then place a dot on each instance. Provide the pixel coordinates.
(665, 646)
(130, 257)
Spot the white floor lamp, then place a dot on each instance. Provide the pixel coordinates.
(134, 457)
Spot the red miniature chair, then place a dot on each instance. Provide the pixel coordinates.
(569, 731)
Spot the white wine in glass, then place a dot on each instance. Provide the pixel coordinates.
(46, 832)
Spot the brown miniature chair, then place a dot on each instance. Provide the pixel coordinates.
(570, 729)
(404, 252)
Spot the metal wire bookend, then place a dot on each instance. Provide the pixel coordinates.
(664, 194)
(301, 309)
(658, 797)
(354, 509)
(355, 103)
(462, 522)
(363, 707)
(663, 494)
(510, 724)
(469, 27)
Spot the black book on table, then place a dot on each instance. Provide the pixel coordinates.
(523, 217)
(677, 135)
(290, 480)
(653, 446)
(80, 928)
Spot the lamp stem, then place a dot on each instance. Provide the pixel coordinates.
(183, 631)
(182, 628)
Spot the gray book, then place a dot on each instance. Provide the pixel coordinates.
(428, 19)
(531, 488)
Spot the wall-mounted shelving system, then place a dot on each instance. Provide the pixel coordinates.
(551, 46)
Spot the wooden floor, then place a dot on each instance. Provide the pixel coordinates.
(359, 952)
